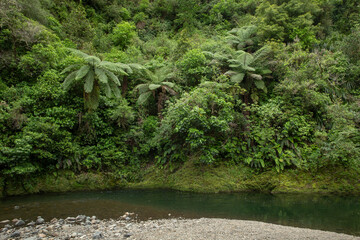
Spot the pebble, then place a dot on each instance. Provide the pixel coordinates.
(5, 221)
(40, 220)
(19, 223)
(97, 235)
(80, 218)
(16, 207)
(200, 229)
(127, 235)
(15, 234)
(31, 238)
(70, 219)
(32, 223)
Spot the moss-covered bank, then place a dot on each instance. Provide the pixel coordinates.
(191, 177)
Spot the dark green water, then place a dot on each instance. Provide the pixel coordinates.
(331, 213)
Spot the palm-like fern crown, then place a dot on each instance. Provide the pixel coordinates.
(241, 38)
(95, 73)
(153, 80)
(250, 65)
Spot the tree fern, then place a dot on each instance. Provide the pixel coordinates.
(96, 74)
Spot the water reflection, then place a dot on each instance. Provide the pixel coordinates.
(332, 213)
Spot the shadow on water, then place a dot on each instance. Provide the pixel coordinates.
(331, 213)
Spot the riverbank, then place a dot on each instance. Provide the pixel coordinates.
(83, 227)
(194, 178)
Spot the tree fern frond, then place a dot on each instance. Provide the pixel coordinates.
(70, 68)
(113, 77)
(237, 78)
(100, 73)
(261, 53)
(82, 72)
(142, 88)
(136, 66)
(113, 67)
(78, 53)
(89, 81)
(107, 89)
(169, 84)
(153, 87)
(256, 76)
(115, 89)
(143, 98)
(260, 85)
(69, 80)
(92, 98)
(92, 60)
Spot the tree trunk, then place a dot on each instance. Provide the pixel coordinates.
(124, 85)
(161, 100)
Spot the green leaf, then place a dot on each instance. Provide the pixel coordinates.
(143, 98)
(256, 76)
(113, 77)
(260, 85)
(89, 81)
(92, 98)
(69, 80)
(101, 75)
(92, 60)
(69, 68)
(78, 53)
(266, 71)
(115, 89)
(237, 78)
(118, 68)
(153, 87)
(142, 88)
(169, 84)
(108, 91)
(82, 72)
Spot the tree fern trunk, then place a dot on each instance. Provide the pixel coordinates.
(124, 85)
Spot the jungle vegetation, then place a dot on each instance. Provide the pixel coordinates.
(116, 85)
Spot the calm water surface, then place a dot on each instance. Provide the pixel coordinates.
(331, 213)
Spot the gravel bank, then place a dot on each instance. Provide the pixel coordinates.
(83, 227)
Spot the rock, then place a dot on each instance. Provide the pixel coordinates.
(50, 228)
(15, 234)
(70, 219)
(7, 226)
(74, 235)
(16, 207)
(93, 217)
(80, 218)
(97, 235)
(42, 235)
(32, 223)
(127, 235)
(5, 221)
(40, 220)
(31, 238)
(4, 229)
(127, 219)
(54, 220)
(15, 220)
(19, 223)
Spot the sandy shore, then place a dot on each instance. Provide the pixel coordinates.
(83, 227)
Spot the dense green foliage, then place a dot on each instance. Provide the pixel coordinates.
(267, 83)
